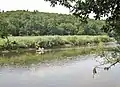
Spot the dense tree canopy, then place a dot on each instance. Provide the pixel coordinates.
(101, 8)
(26, 23)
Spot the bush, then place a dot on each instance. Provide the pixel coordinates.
(52, 41)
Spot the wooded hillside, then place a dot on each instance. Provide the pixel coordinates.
(26, 23)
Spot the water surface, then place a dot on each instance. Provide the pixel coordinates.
(72, 73)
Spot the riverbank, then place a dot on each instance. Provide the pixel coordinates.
(26, 58)
(22, 50)
(51, 41)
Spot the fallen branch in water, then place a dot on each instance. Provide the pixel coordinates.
(105, 68)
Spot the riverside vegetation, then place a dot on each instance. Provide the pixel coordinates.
(19, 57)
(50, 41)
(23, 29)
(30, 29)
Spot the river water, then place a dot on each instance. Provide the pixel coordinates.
(73, 73)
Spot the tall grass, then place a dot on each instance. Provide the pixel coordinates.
(52, 41)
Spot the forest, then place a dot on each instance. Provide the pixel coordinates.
(27, 23)
(42, 49)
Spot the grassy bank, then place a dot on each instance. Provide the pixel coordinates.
(31, 57)
(51, 41)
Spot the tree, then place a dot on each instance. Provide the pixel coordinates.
(100, 8)
(4, 31)
(27, 23)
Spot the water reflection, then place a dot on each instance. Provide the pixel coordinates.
(74, 73)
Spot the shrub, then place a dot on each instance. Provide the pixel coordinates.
(52, 41)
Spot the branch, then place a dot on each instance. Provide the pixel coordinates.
(107, 68)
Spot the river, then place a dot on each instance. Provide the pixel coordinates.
(72, 73)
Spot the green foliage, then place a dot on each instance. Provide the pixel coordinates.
(4, 30)
(51, 41)
(26, 23)
(110, 9)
